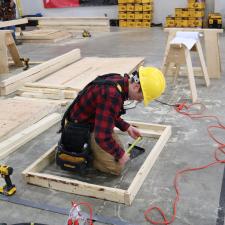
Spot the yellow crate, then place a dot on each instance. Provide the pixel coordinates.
(122, 23)
(138, 16)
(178, 12)
(147, 1)
(122, 7)
(130, 1)
(191, 22)
(122, 15)
(138, 1)
(138, 23)
(185, 22)
(198, 22)
(170, 21)
(130, 7)
(178, 22)
(147, 15)
(122, 1)
(130, 23)
(181, 12)
(146, 23)
(138, 7)
(147, 7)
(197, 5)
(191, 1)
(196, 13)
(130, 16)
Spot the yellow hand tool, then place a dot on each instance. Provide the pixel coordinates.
(134, 151)
(8, 188)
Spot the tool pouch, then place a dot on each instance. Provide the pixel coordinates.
(75, 137)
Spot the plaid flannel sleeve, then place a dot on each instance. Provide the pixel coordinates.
(107, 111)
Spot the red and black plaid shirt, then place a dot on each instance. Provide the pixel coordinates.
(100, 106)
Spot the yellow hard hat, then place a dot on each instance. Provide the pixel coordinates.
(152, 82)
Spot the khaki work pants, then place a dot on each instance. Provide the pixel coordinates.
(104, 161)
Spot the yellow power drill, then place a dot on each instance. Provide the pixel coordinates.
(9, 188)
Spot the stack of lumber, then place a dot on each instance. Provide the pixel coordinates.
(65, 83)
(94, 24)
(22, 119)
(13, 83)
(43, 36)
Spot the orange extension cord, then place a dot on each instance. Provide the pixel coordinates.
(185, 110)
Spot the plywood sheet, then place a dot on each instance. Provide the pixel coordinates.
(16, 114)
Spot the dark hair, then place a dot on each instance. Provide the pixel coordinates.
(135, 77)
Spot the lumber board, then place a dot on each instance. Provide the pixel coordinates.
(40, 36)
(67, 82)
(13, 22)
(3, 55)
(147, 165)
(33, 174)
(15, 82)
(66, 18)
(76, 28)
(89, 68)
(18, 114)
(14, 142)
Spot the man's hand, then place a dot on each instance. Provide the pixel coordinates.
(133, 132)
(124, 159)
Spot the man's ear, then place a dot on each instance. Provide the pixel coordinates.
(137, 87)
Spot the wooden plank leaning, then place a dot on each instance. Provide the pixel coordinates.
(34, 175)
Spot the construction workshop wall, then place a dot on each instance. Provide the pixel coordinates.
(162, 8)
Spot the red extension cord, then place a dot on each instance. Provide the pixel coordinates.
(185, 110)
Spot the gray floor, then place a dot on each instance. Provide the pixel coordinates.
(201, 193)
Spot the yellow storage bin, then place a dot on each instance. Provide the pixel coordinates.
(178, 22)
(170, 21)
(138, 1)
(130, 23)
(138, 23)
(122, 15)
(138, 7)
(130, 16)
(181, 12)
(197, 5)
(122, 1)
(138, 16)
(130, 7)
(147, 15)
(122, 23)
(122, 7)
(198, 22)
(146, 23)
(130, 1)
(147, 1)
(147, 7)
(191, 22)
(185, 22)
(196, 12)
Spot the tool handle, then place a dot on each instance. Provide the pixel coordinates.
(133, 144)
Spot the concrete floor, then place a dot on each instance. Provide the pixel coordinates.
(202, 198)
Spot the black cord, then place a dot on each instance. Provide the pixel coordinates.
(164, 103)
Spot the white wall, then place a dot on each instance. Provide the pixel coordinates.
(220, 7)
(162, 8)
(36, 6)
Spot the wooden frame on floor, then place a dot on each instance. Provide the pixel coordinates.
(33, 174)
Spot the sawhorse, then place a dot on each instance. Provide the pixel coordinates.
(179, 54)
(7, 44)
